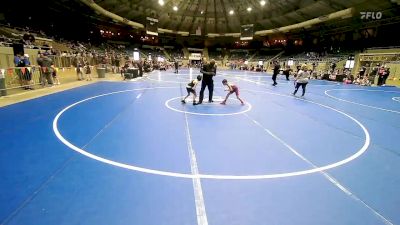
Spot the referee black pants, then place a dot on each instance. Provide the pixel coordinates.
(210, 84)
(274, 78)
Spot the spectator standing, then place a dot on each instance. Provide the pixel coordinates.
(385, 76)
(381, 74)
(176, 63)
(79, 67)
(140, 67)
(28, 71)
(302, 79)
(333, 67)
(54, 74)
(117, 63)
(88, 72)
(374, 72)
(275, 72)
(21, 72)
(362, 72)
(17, 58)
(113, 63)
(46, 70)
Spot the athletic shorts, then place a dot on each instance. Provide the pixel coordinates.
(190, 90)
(234, 90)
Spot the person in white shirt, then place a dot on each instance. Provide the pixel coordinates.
(302, 79)
(191, 89)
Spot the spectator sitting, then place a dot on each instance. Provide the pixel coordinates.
(28, 38)
(347, 80)
(357, 81)
(365, 81)
(333, 75)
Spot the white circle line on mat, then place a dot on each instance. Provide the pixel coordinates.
(58, 134)
(167, 104)
(397, 99)
(356, 103)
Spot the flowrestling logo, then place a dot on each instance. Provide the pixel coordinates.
(371, 15)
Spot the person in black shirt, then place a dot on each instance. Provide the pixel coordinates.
(140, 66)
(125, 68)
(373, 73)
(176, 63)
(298, 68)
(362, 72)
(381, 73)
(117, 63)
(209, 71)
(314, 66)
(386, 74)
(333, 67)
(45, 64)
(276, 72)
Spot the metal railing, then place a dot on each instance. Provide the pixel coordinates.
(31, 77)
(25, 77)
(19, 77)
(70, 61)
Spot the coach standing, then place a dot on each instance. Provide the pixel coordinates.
(209, 71)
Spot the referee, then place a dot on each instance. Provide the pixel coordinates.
(209, 71)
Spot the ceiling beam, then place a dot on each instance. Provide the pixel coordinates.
(270, 20)
(225, 16)
(236, 9)
(187, 8)
(257, 10)
(194, 16)
(165, 18)
(204, 28)
(335, 5)
(215, 16)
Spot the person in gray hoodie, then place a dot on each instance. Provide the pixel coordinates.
(302, 79)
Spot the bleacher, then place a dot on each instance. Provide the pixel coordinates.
(175, 53)
(265, 55)
(239, 55)
(216, 54)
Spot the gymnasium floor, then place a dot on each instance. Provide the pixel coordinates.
(118, 153)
